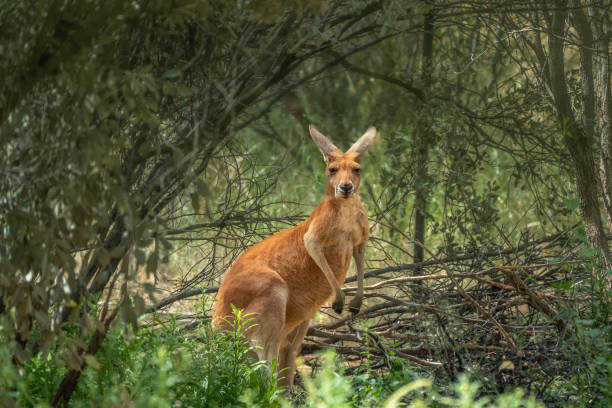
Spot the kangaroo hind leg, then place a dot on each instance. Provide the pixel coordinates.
(289, 352)
(268, 313)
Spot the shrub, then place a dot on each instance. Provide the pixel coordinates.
(154, 367)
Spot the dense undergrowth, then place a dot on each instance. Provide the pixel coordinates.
(161, 365)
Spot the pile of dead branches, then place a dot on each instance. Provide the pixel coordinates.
(486, 310)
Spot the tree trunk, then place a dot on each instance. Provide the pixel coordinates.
(603, 105)
(423, 138)
(577, 140)
(71, 378)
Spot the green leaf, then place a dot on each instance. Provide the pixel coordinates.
(202, 187)
(172, 73)
(394, 399)
(596, 332)
(590, 252)
(92, 361)
(195, 201)
(562, 285)
(129, 314)
(103, 257)
(152, 262)
(140, 256)
(139, 304)
(571, 204)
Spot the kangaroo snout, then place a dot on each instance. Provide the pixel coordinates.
(345, 188)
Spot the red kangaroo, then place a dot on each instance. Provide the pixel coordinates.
(284, 279)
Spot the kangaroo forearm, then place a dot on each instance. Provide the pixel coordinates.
(321, 262)
(358, 254)
(317, 255)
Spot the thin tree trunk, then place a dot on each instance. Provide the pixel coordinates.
(71, 378)
(577, 140)
(423, 139)
(603, 105)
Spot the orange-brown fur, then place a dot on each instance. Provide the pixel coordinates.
(278, 280)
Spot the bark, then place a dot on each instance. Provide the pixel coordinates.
(594, 61)
(423, 139)
(603, 104)
(586, 70)
(577, 139)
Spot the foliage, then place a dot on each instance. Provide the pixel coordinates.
(371, 386)
(159, 366)
(330, 389)
(145, 144)
(154, 367)
(587, 349)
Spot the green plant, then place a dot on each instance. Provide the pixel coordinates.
(375, 385)
(329, 388)
(587, 349)
(157, 366)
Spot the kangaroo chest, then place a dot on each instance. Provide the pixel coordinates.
(341, 233)
(345, 228)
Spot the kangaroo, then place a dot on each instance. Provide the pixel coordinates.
(284, 279)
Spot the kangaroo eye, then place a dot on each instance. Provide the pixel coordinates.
(332, 170)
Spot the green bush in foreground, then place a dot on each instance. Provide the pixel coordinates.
(163, 367)
(156, 367)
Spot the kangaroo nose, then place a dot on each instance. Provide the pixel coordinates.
(346, 187)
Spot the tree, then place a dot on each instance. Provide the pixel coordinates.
(582, 112)
(114, 111)
(424, 137)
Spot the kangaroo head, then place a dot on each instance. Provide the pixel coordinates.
(343, 169)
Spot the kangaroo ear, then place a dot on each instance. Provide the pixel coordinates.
(364, 142)
(323, 143)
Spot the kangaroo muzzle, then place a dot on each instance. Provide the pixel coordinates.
(344, 189)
